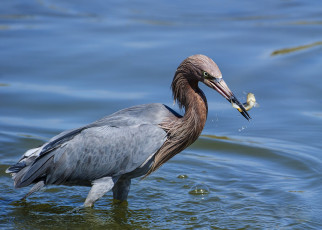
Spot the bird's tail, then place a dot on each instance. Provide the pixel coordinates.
(19, 169)
(16, 167)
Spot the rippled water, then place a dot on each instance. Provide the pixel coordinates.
(63, 65)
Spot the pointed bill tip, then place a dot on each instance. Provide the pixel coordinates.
(241, 108)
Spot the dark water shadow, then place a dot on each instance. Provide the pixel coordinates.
(34, 215)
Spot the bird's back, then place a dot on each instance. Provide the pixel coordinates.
(112, 146)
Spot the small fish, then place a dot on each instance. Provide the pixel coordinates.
(250, 103)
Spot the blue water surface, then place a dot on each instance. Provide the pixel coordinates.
(64, 64)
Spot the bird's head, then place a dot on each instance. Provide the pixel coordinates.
(202, 68)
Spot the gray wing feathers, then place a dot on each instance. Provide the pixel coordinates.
(60, 139)
(111, 146)
(34, 171)
(140, 114)
(105, 151)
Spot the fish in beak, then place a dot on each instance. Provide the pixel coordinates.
(221, 87)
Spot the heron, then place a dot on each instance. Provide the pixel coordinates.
(134, 142)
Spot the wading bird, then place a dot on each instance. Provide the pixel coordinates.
(132, 142)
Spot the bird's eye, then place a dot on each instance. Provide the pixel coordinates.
(205, 74)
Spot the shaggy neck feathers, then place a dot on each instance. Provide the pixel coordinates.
(182, 132)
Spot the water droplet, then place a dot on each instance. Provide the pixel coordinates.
(242, 128)
(199, 189)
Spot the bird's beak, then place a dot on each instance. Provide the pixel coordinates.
(221, 87)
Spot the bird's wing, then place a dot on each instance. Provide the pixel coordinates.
(135, 125)
(31, 155)
(136, 115)
(96, 152)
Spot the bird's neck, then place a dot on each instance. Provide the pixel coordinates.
(183, 131)
(196, 110)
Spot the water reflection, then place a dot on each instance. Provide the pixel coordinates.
(295, 49)
(306, 23)
(33, 215)
(79, 93)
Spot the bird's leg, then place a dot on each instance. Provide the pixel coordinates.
(39, 185)
(121, 189)
(99, 188)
